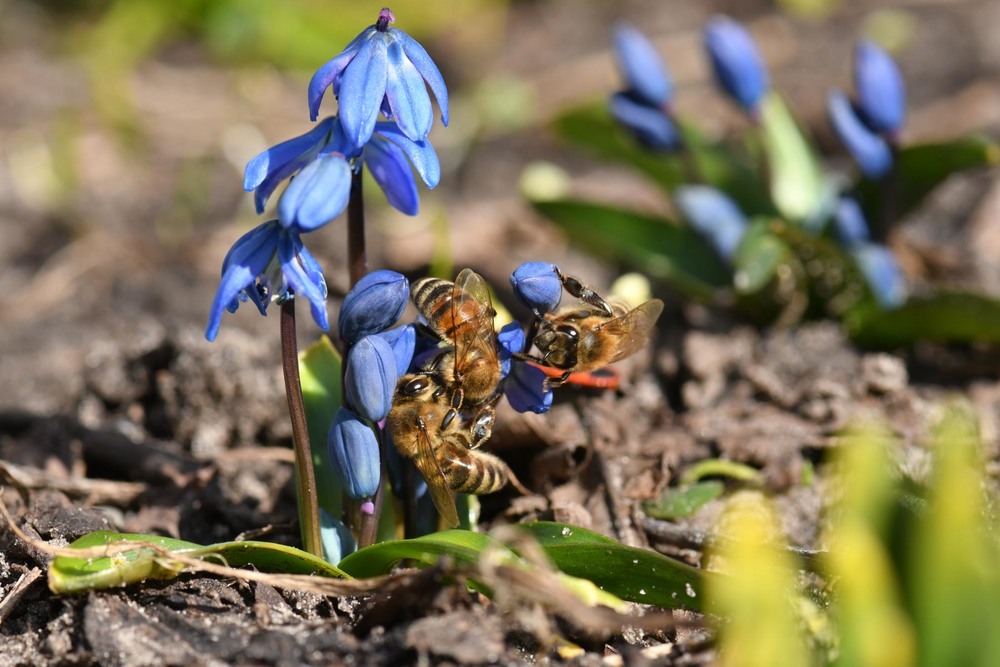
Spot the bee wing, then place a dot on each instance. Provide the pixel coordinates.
(474, 341)
(437, 485)
(633, 328)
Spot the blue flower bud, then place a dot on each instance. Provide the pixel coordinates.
(641, 66)
(403, 341)
(738, 66)
(850, 223)
(714, 215)
(511, 342)
(335, 536)
(526, 390)
(370, 377)
(354, 453)
(868, 149)
(374, 304)
(881, 271)
(650, 126)
(881, 91)
(537, 286)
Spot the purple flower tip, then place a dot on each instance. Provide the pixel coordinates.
(368, 507)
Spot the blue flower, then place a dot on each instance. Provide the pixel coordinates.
(318, 194)
(881, 272)
(388, 156)
(850, 224)
(715, 216)
(511, 340)
(370, 378)
(354, 453)
(738, 66)
(268, 263)
(382, 69)
(526, 388)
(650, 126)
(881, 91)
(373, 305)
(403, 341)
(868, 149)
(537, 286)
(641, 67)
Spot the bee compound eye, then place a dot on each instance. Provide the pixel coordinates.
(568, 331)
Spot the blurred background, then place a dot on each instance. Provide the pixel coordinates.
(125, 127)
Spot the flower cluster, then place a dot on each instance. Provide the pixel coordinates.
(382, 71)
(869, 127)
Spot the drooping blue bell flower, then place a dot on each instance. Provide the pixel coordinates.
(268, 263)
(318, 194)
(526, 389)
(403, 341)
(382, 69)
(641, 66)
(374, 304)
(650, 126)
(880, 88)
(537, 286)
(737, 64)
(370, 378)
(388, 157)
(869, 150)
(715, 216)
(354, 454)
(510, 341)
(850, 224)
(882, 273)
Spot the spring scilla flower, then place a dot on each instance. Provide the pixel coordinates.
(875, 261)
(382, 69)
(643, 107)
(869, 150)
(736, 62)
(849, 222)
(374, 304)
(403, 341)
(370, 378)
(511, 341)
(268, 263)
(354, 453)
(388, 157)
(537, 286)
(715, 216)
(880, 88)
(526, 388)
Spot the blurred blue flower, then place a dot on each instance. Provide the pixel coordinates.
(736, 62)
(526, 389)
(869, 150)
(268, 263)
(715, 216)
(882, 273)
(537, 286)
(650, 126)
(642, 67)
(880, 87)
(403, 341)
(374, 304)
(511, 340)
(850, 224)
(382, 69)
(353, 450)
(370, 378)
(336, 537)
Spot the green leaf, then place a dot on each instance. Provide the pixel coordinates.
(320, 373)
(720, 468)
(757, 258)
(948, 317)
(922, 168)
(684, 501)
(73, 575)
(796, 178)
(656, 246)
(461, 545)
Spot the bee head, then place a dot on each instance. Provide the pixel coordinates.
(558, 345)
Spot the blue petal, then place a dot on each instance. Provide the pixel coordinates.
(248, 257)
(869, 150)
(265, 171)
(362, 88)
(881, 91)
(374, 304)
(317, 195)
(329, 72)
(851, 226)
(511, 340)
(537, 286)
(650, 125)
(407, 95)
(391, 170)
(882, 272)
(422, 61)
(420, 153)
(370, 378)
(525, 389)
(354, 454)
(403, 341)
(641, 66)
(304, 276)
(714, 215)
(336, 537)
(738, 66)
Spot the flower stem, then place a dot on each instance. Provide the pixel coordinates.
(305, 476)
(357, 259)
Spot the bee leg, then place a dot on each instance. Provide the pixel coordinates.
(552, 383)
(482, 427)
(523, 356)
(584, 293)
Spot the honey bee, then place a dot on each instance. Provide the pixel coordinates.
(461, 315)
(426, 429)
(600, 332)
